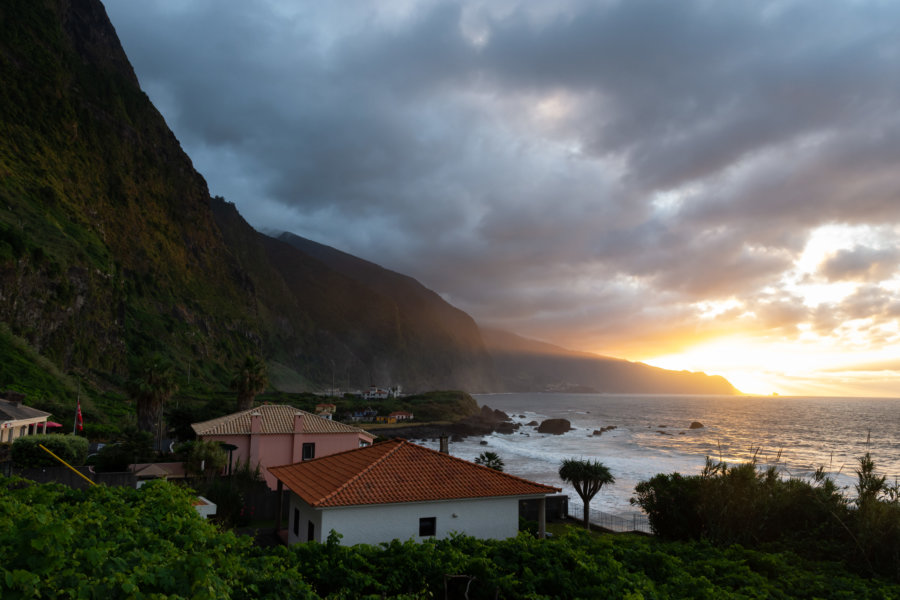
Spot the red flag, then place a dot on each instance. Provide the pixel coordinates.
(79, 422)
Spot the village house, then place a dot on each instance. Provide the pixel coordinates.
(325, 410)
(18, 420)
(401, 415)
(366, 414)
(278, 434)
(400, 490)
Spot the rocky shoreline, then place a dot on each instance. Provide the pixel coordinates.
(486, 422)
(490, 421)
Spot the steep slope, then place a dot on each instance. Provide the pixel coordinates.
(529, 365)
(329, 314)
(108, 250)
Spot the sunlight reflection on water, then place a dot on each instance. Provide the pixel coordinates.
(652, 436)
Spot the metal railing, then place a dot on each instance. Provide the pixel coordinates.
(618, 523)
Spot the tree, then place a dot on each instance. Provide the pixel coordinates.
(204, 458)
(491, 460)
(249, 381)
(587, 477)
(153, 385)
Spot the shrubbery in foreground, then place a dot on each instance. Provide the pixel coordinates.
(757, 508)
(149, 543)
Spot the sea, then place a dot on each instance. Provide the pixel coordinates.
(651, 434)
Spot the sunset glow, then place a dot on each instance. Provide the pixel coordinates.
(719, 195)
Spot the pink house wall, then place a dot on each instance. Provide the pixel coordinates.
(275, 449)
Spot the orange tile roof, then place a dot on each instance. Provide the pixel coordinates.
(275, 418)
(398, 471)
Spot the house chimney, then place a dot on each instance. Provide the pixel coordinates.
(298, 422)
(445, 444)
(255, 422)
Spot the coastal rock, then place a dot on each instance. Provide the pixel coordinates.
(603, 430)
(696, 425)
(505, 428)
(532, 424)
(555, 426)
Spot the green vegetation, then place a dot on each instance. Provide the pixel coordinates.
(249, 381)
(587, 477)
(491, 460)
(120, 542)
(741, 504)
(27, 452)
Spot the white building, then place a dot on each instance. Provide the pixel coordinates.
(18, 420)
(399, 490)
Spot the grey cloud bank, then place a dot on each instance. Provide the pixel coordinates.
(603, 175)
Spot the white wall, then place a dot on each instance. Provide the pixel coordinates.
(487, 518)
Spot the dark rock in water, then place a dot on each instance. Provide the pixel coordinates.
(680, 433)
(532, 424)
(483, 442)
(505, 428)
(500, 415)
(696, 425)
(555, 426)
(663, 433)
(603, 430)
(662, 426)
(521, 416)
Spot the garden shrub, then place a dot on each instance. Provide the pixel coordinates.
(26, 451)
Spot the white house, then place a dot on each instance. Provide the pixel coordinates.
(400, 490)
(18, 420)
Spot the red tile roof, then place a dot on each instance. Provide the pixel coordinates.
(274, 418)
(398, 471)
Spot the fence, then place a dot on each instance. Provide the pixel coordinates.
(620, 523)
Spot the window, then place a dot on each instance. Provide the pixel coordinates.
(297, 522)
(427, 526)
(310, 531)
(363, 443)
(309, 450)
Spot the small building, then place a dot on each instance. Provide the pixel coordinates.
(18, 420)
(377, 393)
(400, 490)
(385, 419)
(366, 414)
(275, 434)
(401, 415)
(325, 410)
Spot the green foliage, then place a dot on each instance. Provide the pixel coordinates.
(152, 385)
(126, 543)
(131, 447)
(742, 504)
(490, 460)
(27, 451)
(249, 380)
(587, 477)
(204, 458)
(120, 542)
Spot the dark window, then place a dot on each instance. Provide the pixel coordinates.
(427, 526)
(310, 531)
(297, 521)
(309, 450)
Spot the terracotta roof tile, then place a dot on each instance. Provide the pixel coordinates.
(398, 471)
(275, 418)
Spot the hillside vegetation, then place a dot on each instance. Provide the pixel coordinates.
(120, 542)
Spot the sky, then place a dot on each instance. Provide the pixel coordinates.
(710, 186)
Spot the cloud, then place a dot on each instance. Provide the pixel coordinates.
(589, 173)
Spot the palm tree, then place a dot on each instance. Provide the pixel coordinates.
(587, 477)
(491, 460)
(249, 381)
(153, 385)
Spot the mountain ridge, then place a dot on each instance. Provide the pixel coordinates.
(111, 250)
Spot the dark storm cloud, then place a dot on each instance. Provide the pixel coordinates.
(575, 171)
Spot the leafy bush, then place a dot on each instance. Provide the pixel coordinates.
(26, 451)
(120, 542)
(131, 447)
